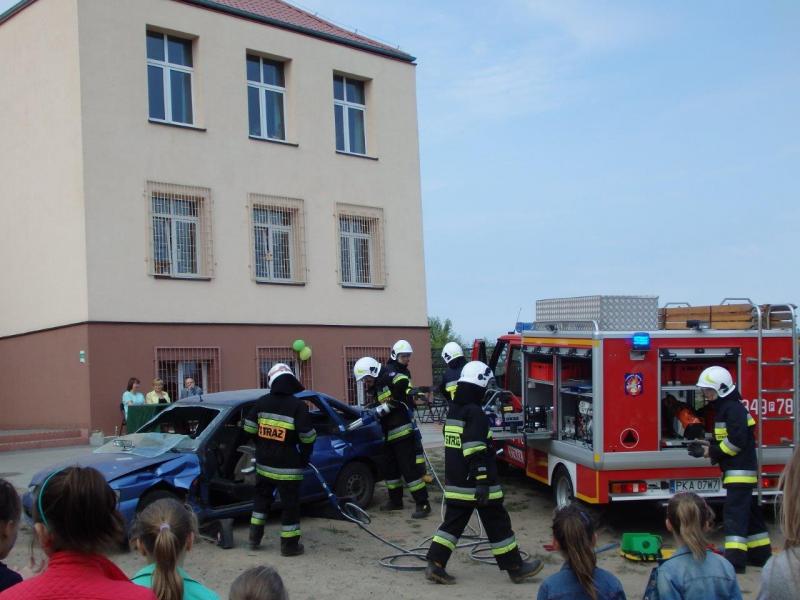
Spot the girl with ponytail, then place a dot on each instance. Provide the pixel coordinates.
(580, 578)
(163, 533)
(694, 572)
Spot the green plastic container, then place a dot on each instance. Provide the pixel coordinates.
(641, 544)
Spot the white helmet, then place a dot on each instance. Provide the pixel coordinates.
(401, 347)
(366, 367)
(450, 351)
(476, 372)
(718, 379)
(277, 370)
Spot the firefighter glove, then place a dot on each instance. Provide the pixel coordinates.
(697, 449)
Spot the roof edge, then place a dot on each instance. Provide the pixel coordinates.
(19, 6)
(212, 5)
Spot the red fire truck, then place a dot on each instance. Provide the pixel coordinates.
(591, 410)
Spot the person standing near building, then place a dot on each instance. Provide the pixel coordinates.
(132, 395)
(158, 395)
(284, 439)
(746, 537)
(471, 483)
(453, 357)
(390, 389)
(190, 389)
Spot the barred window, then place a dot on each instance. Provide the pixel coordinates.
(180, 237)
(354, 393)
(268, 356)
(361, 246)
(278, 239)
(175, 365)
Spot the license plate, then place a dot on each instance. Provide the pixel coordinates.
(694, 485)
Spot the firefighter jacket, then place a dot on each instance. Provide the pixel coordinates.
(468, 457)
(450, 378)
(391, 387)
(284, 435)
(735, 447)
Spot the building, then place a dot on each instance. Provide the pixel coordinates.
(187, 187)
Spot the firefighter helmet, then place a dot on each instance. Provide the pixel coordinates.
(366, 367)
(451, 350)
(476, 372)
(401, 347)
(718, 379)
(277, 370)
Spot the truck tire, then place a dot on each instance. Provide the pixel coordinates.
(563, 488)
(356, 481)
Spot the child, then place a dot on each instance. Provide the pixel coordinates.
(10, 513)
(694, 572)
(258, 583)
(75, 519)
(163, 533)
(579, 578)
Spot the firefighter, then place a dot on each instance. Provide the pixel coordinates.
(453, 357)
(734, 449)
(390, 390)
(284, 439)
(471, 482)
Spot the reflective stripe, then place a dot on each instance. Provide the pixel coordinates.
(280, 474)
(290, 531)
(455, 423)
(471, 448)
(757, 540)
(728, 448)
(420, 459)
(398, 432)
(452, 492)
(308, 437)
(276, 423)
(258, 518)
(507, 545)
(400, 377)
(445, 539)
(250, 426)
(383, 394)
(490, 436)
(736, 476)
(393, 484)
(751, 422)
(276, 417)
(415, 485)
(735, 542)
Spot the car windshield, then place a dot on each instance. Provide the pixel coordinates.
(187, 422)
(148, 445)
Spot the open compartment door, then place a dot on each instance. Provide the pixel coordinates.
(539, 393)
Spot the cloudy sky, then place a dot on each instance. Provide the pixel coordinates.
(587, 147)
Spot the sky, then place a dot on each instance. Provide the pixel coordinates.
(577, 147)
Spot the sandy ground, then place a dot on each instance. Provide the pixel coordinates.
(341, 560)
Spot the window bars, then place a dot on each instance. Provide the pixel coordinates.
(351, 355)
(361, 252)
(278, 239)
(268, 356)
(180, 230)
(174, 365)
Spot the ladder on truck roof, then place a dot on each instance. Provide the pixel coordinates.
(787, 314)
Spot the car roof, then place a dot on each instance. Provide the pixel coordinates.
(236, 397)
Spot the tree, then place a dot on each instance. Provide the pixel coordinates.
(442, 332)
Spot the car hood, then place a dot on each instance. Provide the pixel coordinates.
(111, 465)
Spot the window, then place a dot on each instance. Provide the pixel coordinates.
(180, 240)
(355, 394)
(349, 108)
(361, 246)
(265, 97)
(278, 241)
(174, 365)
(267, 357)
(169, 78)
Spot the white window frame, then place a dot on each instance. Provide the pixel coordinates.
(173, 220)
(263, 88)
(270, 229)
(166, 67)
(347, 104)
(351, 238)
(375, 245)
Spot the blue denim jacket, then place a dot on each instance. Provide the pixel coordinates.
(681, 577)
(564, 586)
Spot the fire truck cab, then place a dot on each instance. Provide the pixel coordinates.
(603, 415)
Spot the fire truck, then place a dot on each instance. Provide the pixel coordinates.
(588, 396)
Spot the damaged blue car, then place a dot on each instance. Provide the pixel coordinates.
(196, 451)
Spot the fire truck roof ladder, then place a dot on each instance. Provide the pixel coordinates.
(783, 313)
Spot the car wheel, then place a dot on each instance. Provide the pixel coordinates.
(154, 495)
(357, 483)
(563, 490)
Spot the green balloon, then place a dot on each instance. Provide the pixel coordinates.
(305, 353)
(298, 345)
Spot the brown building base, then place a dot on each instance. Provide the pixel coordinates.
(74, 376)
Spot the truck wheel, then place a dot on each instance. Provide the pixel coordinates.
(356, 482)
(563, 490)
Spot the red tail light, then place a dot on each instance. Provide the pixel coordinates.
(629, 487)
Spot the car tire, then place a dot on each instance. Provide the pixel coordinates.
(356, 481)
(152, 496)
(563, 489)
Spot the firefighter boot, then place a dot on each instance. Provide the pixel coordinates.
(423, 510)
(291, 547)
(391, 505)
(526, 570)
(436, 573)
(256, 533)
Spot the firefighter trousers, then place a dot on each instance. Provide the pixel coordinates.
(746, 537)
(401, 461)
(496, 522)
(290, 515)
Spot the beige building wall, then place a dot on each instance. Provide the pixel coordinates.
(122, 151)
(42, 245)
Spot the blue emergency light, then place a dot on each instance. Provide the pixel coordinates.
(641, 341)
